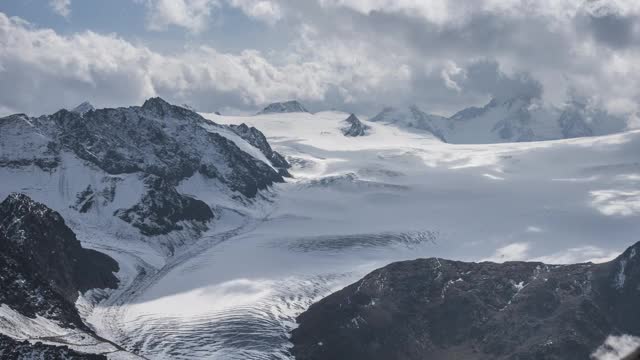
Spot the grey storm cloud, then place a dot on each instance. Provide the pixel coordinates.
(357, 55)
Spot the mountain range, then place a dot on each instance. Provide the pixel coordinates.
(158, 232)
(508, 120)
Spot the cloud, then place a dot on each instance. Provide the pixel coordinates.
(267, 11)
(61, 7)
(195, 15)
(356, 55)
(486, 77)
(44, 71)
(617, 348)
(616, 202)
(511, 252)
(190, 14)
(580, 254)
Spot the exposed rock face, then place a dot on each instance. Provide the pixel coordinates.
(441, 309)
(22, 143)
(291, 106)
(355, 127)
(43, 266)
(162, 209)
(11, 349)
(256, 138)
(159, 139)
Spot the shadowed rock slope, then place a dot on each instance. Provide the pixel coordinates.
(43, 267)
(442, 309)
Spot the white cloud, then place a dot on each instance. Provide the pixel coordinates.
(61, 7)
(534, 229)
(580, 254)
(195, 15)
(617, 348)
(267, 11)
(511, 252)
(190, 14)
(443, 12)
(616, 202)
(111, 71)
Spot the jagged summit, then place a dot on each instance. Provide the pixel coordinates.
(291, 106)
(83, 108)
(355, 127)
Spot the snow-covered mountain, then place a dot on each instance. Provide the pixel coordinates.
(508, 120)
(132, 159)
(219, 252)
(291, 106)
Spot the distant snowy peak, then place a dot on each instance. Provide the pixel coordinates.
(354, 127)
(292, 106)
(83, 108)
(514, 119)
(413, 118)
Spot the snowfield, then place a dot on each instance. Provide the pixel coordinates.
(354, 204)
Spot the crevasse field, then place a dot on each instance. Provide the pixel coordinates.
(353, 205)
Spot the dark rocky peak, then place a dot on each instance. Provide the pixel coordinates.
(39, 239)
(256, 138)
(291, 106)
(355, 127)
(63, 117)
(155, 103)
(83, 108)
(160, 108)
(162, 209)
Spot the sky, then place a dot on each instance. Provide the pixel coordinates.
(236, 56)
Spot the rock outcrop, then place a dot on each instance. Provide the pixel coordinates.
(441, 309)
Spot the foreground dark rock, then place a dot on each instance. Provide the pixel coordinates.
(441, 309)
(43, 266)
(11, 349)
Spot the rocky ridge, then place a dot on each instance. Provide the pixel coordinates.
(442, 309)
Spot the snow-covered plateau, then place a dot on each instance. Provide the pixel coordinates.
(230, 286)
